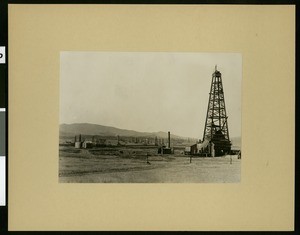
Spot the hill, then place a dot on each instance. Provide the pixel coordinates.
(236, 142)
(95, 129)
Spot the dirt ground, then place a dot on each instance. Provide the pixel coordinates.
(129, 165)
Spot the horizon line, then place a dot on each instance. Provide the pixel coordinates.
(240, 136)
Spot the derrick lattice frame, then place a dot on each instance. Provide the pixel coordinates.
(216, 117)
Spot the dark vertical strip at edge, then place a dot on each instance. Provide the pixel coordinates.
(297, 130)
(4, 104)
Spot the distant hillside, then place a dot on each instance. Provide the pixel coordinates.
(236, 142)
(94, 129)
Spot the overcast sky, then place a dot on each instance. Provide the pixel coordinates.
(148, 91)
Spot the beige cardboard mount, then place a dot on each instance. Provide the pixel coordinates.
(265, 35)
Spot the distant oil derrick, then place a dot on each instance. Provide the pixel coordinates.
(156, 141)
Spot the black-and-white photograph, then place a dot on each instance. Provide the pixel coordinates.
(150, 117)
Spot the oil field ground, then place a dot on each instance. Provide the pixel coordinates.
(129, 165)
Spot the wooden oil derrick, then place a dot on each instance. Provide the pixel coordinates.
(216, 126)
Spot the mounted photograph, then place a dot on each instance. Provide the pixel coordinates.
(150, 117)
